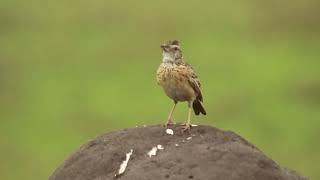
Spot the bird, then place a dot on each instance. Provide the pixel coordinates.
(179, 82)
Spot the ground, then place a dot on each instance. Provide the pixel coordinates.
(206, 153)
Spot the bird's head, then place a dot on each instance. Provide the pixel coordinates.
(171, 51)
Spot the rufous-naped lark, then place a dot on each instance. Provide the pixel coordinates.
(179, 81)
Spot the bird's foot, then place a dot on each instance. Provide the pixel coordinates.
(170, 123)
(186, 127)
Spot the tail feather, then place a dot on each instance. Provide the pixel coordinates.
(198, 108)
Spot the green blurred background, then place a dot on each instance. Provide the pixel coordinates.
(72, 70)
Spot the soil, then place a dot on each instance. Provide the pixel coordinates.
(207, 153)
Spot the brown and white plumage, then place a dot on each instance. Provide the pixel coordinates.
(179, 80)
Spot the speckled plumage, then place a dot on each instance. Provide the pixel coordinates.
(178, 79)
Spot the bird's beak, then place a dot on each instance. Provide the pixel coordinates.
(164, 47)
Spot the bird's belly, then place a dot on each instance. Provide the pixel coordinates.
(178, 90)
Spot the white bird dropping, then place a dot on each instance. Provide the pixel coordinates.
(153, 152)
(124, 164)
(160, 147)
(169, 131)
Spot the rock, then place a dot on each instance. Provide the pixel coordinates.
(211, 153)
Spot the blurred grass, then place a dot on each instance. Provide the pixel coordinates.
(71, 70)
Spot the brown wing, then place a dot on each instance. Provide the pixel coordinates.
(193, 79)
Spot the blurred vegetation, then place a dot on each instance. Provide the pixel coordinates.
(71, 70)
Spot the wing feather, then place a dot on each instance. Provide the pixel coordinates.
(192, 79)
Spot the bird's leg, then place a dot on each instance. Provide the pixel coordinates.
(170, 121)
(187, 126)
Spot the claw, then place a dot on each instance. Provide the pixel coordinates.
(186, 127)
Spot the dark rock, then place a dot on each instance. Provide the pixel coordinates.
(210, 154)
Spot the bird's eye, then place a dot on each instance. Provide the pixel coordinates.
(175, 48)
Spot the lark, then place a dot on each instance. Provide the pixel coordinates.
(179, 81)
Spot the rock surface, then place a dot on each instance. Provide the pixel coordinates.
(207, 153)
